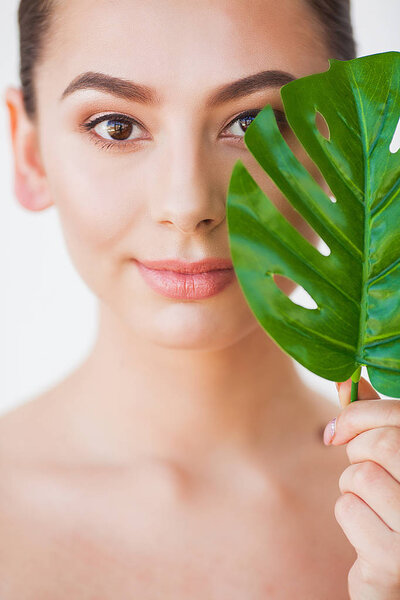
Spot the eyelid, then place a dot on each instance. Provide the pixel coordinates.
(91, 123)
(106, 144)
(251, 112)
(280, 117)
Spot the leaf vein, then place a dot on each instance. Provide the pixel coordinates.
(295, 252)
(387, 199)
(383, 340)
(389, 269)
(314, 333)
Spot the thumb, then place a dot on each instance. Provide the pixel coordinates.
(365, 391)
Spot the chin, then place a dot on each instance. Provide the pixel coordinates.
(209, 324)
(196, 326)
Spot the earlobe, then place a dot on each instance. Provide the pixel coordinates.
(27, 196)
(30, 183)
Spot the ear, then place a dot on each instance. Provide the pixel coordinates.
(30, 182)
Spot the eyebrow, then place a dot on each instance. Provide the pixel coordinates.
(129, 90)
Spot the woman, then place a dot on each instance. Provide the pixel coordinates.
(184, 458)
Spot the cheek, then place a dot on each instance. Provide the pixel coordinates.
(98, 206)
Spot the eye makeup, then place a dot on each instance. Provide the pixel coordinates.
(246, 116)
(120, 125)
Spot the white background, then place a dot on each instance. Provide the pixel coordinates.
(47, 314)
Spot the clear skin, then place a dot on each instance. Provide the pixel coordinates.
(191, 398)
(149, 201)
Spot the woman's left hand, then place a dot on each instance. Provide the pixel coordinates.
(368, 510)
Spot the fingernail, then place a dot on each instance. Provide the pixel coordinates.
(329, 431)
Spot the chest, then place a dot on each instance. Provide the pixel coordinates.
(121, 541)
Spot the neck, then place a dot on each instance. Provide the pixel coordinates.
(173, 400)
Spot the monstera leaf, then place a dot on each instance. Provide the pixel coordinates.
(357, 286)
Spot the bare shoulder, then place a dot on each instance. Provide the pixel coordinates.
(37, 502)
(23, 439)
(29, 430)
(30, 435)
(42, 428)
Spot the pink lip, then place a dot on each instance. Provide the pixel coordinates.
(185, 280)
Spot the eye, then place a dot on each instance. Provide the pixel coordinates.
(115, 128)
(240, 124)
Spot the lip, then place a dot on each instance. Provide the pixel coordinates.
(179, 279)
(180, 266)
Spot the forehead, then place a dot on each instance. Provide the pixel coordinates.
(182, 45)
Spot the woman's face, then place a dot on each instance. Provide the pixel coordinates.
(153, 186)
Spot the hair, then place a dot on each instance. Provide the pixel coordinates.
(335, 18)
(35, 18)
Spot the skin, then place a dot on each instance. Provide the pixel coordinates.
(369, 506)
(128, 463)
(116, 209)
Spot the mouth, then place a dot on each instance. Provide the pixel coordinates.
(180, 266)
(187, 280)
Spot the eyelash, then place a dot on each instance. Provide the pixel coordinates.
(89, 126)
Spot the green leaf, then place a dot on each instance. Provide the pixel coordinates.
(357, 286)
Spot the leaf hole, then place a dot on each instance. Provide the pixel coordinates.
(395, 143)
(295, 292)
(297, 220)
(323, 248)
(320, 245)
(322, 125)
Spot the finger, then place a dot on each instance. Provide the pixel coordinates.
(361, 416)
(373, 484)
(365, 530)
(365, 391)
(381, 445)
(372, 581)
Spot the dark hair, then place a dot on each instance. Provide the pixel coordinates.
(35, 18)
(335, 18)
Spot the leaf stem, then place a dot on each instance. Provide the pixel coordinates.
(355, 378)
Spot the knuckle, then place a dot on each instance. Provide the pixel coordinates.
(384, 573)
(352, 450)
(366, 473)
(368, 573)
(393, 412)
(359, 475)
(345, 476)
(344, 506)
(349, 416)
(388, 442)
(393, 561)
(393, 573)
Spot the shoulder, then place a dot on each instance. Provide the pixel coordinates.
(20, 443)
(35, 498)
(40, 431)
(23, 431)
(38, 459)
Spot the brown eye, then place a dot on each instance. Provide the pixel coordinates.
(116, 128)
(119, 130)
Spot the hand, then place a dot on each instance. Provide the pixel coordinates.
(368, 510)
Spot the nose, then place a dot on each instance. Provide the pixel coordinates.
(189, 194)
